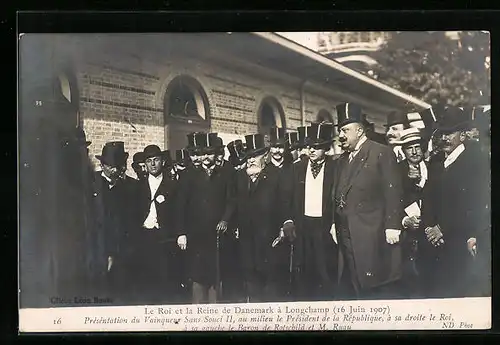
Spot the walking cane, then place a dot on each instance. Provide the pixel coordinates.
(217, 269)
(290, 270)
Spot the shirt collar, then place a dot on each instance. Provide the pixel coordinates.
(360, 142)
(452, 157)
(276, 163)
(110, 183)
(156, 179)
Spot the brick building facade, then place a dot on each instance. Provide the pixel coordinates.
(154, 89)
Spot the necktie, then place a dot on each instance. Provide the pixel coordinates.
(315, 168)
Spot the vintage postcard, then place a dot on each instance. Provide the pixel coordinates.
(278, 181)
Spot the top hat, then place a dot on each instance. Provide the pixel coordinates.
(182, 156)
(481, 117)
(255, 145)
(219, 145)
(203, 142)
(409, 136)
(236, 152)
(293, 140)
(397, 118)
(320, 134)
(113, 153)
(367, 124)
(454, 119)
(349, 113)
(277, 136)
(302, 136)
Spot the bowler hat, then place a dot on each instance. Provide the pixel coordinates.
(277, 136)
(320, 134)
(454, 119)
(138, 157)
(154, 151)
(349, 113)
(113, 153)
(397, 118)
(255, 145)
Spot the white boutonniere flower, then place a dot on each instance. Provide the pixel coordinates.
(160, 198)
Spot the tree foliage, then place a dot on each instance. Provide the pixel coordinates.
(435, 68)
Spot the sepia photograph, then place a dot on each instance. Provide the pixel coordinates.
(254, 181)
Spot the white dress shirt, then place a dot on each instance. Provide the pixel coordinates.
(110, 185)
(452, 157)
(152, 218)
(424, 174)
(313, 205)
(398, 151)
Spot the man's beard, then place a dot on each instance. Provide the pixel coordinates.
(253, 169)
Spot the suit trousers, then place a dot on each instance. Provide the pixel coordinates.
(349, 287)
(315, 280)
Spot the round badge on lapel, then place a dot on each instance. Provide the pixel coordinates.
(160, 198)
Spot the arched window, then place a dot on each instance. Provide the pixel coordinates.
(186, 110)
(185, 99)
(324, 116)
(270, 115)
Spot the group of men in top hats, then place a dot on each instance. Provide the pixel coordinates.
(287, 221)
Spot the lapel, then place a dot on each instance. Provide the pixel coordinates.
(301, 177)
(254, 186)
(327, 180)
(356, 165)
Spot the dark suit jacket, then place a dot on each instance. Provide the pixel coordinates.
(203, 202)
(260, 215)
(373, 194)
(166, 211)
(457, 198)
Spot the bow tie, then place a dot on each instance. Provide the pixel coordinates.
(316, 167)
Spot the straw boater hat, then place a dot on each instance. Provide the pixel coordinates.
(255, 145)
(113, 153)
(410, 136)
(349, 113)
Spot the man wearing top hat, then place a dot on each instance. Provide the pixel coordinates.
(414, 173)
(205, 207)
(367, 211)
(302, 144)
(455, 214)
(396, 122)
(237, 154)
(156, 259)
(194, 153)
(114, 216)
(182, 162)
(292, 139)
(261, 209)
(311, 213)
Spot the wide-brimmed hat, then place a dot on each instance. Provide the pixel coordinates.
(397, 118)
(409, 136)
(319, 134)
(349, 113)
(454, 119)
(113, 153)
(255, 145)
(292, 139)
(277, 136)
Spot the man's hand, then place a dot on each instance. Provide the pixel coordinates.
(434, 235)
(472, 246)
(110, 262)
(412, 222)
(333, 232)
(392, 236)
(182, 242)
(222, 226)
(289, 231)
